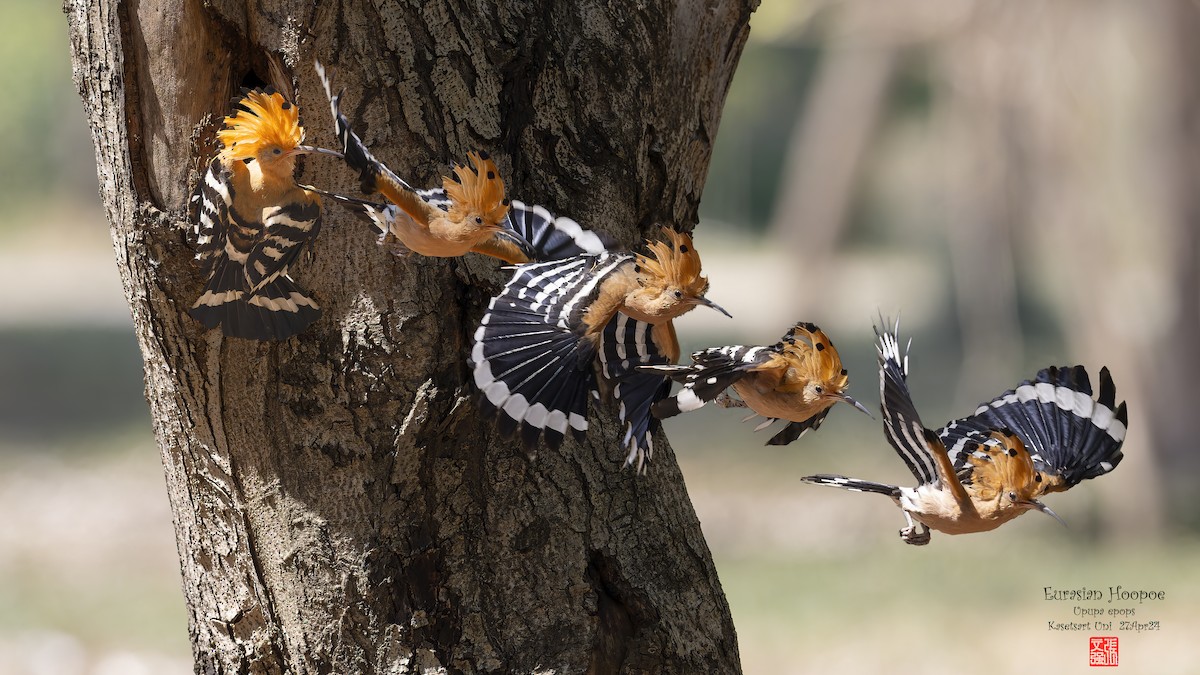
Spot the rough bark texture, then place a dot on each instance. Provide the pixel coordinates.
(340, 504)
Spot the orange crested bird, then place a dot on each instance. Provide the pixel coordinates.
(538, 346)
(468, 213)
(252, 220)
(979, 472)
(798, 379)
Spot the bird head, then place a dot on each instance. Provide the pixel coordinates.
(265, 128)
(1003, 471)
(477, 194)
(669, 279)
(818, 367)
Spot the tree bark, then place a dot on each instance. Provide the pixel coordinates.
(340, 503)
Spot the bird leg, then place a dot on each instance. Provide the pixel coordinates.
(916, 534)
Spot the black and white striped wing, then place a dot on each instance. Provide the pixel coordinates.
(286, 229)
(626, 347)
(210, 214)
(275, 308)
(712, 371)
(554, 238)
(357, 156)
(901, 423)
(1068, 432)
(530, 358)
(794, 430)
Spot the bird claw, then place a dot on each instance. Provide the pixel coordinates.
(724, 400)
(916, 535)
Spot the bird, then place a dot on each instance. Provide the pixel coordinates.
(561, 328)
(469, 212)
(251, 220)
(978, 472)
(797, 379)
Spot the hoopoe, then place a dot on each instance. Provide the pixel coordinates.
(252, 220)
(469, 212)
(798, 379)
(979, 472)
(538, 346)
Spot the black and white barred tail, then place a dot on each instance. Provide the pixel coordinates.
(854, 484)
(278, 310)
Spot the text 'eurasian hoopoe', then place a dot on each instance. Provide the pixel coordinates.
(468, 213)
(979, 472)
(252, 220)
(798, 380)
(542, 338)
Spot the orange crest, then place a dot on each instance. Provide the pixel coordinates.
(261, 120)
(809, 344)
(478, 192)
(674, 263)
(1003, 464)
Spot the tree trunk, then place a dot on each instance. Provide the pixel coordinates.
(340, 503)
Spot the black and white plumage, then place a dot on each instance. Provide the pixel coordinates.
(549, 336)
(248, 256)
(1046, 435)
(536, 234)
(531, 359)
(797, 379)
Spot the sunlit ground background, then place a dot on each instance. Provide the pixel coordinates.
(1014, 177)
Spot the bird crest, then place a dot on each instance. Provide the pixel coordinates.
(674, 263)
(809, 345)
(261, 120)
(1003, 464)
(478, 191)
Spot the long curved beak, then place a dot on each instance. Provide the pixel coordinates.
(312, 149)
(709, 303)
(508, 246)
(856, 404)
(1046, 510)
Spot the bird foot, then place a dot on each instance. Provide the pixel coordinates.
(917, 535)
(390, 243)
(724, 400)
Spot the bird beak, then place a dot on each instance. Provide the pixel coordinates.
(507, 245)
(310, 149)
(701, 300)
(856, 404)
(1046, 510)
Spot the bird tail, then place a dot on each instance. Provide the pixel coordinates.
(376, 215)
(276, 311)
(854, 484)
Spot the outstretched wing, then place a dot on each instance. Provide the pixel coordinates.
(374, 174)
(529, 357)
(1068, 433)
(901, 423)
(554, 238)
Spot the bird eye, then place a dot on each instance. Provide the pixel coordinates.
(478, 220)
(277, 151)
(1012, 496)
(818, 389)
(678, 294)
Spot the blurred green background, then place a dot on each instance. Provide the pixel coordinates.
(1015, 179)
